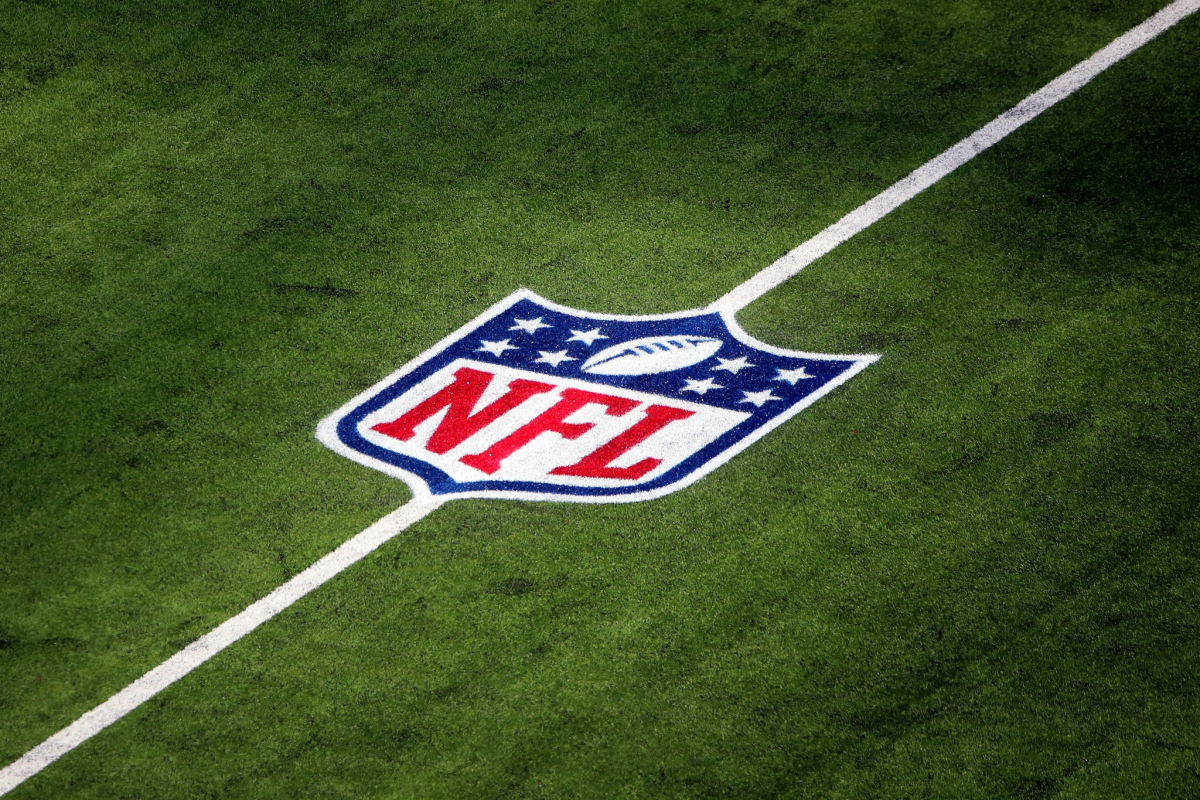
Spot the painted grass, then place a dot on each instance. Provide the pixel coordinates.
(971, 572)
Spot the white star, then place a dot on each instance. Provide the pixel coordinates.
(700, 387)
(529, 325)
(495, 348)
(758, 398)
(587, 337)
(554, 359)
(792, 375)
(734, 365)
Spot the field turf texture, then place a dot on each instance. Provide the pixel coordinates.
(971, 572)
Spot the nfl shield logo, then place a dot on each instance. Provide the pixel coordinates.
(536, 401)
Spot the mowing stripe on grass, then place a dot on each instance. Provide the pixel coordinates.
(416, 509)
(942, 165)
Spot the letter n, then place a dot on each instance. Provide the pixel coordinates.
(459, 400)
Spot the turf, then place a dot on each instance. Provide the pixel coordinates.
(970, 572)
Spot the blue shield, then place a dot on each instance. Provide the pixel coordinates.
(536, 401)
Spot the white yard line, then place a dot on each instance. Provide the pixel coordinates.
(942, 165)
(366, 542)
(213, 642)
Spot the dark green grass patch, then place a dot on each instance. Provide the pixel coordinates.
(970, 572)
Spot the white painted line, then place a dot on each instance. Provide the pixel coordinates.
(213, 642)
(940, 166)
(364, 543)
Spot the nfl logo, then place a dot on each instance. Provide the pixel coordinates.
(536, 401)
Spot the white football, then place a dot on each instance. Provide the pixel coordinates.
(652, 354)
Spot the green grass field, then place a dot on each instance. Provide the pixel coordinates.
(971, 572)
